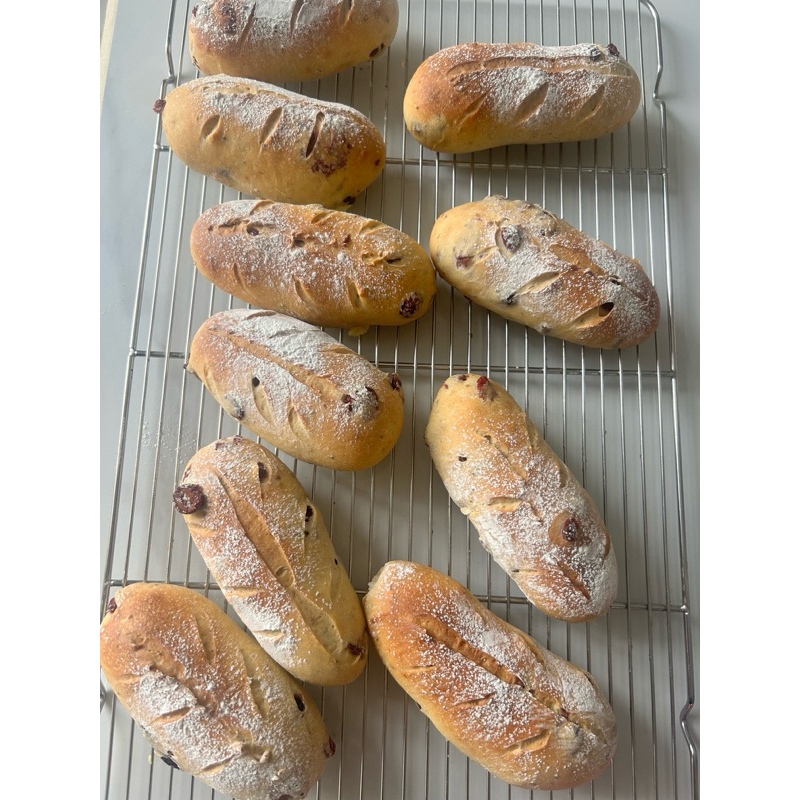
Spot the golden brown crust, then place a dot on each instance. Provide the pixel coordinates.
(288, 40)
(527, 265)
(298, 388)
(272, 143)
(529, 717)
(329, 268)
(208, 697)
(473, 96)
(530, 512)
(267, 547)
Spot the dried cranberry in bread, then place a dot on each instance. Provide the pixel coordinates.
(207, 698)
(272, 143)
(527, 265)
(473, 96)
(526, 715)
(298, 388)
(288, 40)
(329, 268)
(531, 514)
(268, 548)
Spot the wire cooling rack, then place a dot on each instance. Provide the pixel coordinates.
(611, 415)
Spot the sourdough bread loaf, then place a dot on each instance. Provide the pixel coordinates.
(298, 388)
(529, 266)
(529, 717)
(473, 96)
(288, 40)
(208, 699)
(272, 143)
(269, 551)
(329, 268)
(531, 514)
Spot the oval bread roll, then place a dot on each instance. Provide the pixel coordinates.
(526, 715)
(298, 388)
(473, 96)
(268, 549)
(527, 265)
(272, 143)
(288, 40)
(329, 268)
(208, 699)
(530, 513)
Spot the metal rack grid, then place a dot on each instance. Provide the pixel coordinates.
(611, 415)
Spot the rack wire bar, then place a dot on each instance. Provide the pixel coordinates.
(611, 415)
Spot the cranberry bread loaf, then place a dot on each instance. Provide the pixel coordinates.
(529, 717)
(527, 265)
(298, 388)
(278, 40)
(329, 268)
(474, 96)
(272, 143)
(530, 512)
(208, 699)
(269, 551)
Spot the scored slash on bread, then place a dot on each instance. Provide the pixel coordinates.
(268, 548)
(530, 512)
(529, 717)
(208, 699)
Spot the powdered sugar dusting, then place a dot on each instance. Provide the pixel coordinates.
(506, 701)
(530, 512)
(272, 19)
(510, 74)
(251, 102)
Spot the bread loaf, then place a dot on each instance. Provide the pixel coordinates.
(530, 512)
(326, 267)
(268, 549)
(526, 715)
(208, 699)
(288, 40)
(473, 96)
(527, 265)
(298, 388)
(272, 143)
